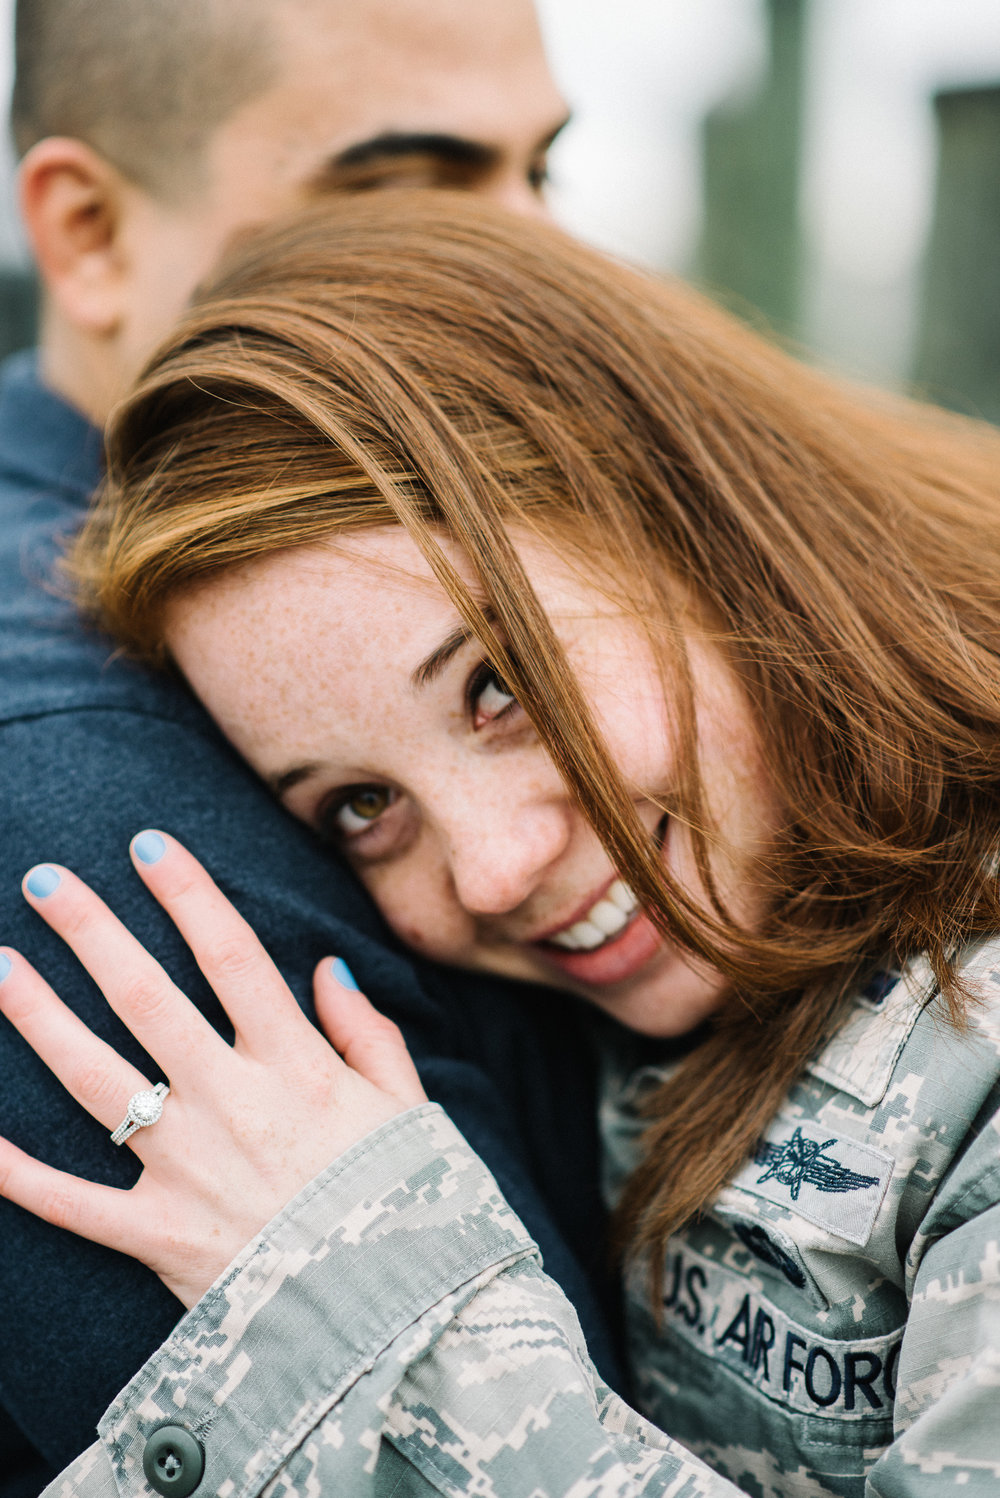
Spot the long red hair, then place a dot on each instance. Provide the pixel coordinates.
(426, 360)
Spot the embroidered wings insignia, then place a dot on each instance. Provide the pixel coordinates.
(799, 1160)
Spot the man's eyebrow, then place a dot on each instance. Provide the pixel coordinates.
(454, 150)
(435, 663)
(392, 145)
(284, 780)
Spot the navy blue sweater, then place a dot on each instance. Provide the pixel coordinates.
(91, 751)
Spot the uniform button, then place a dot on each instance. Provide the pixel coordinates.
(173, 1461)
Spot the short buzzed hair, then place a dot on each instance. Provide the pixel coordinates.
(144, 82)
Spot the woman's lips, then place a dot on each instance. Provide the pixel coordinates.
(619, 958)
(602, 919)
(620, 955)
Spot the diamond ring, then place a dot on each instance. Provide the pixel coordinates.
(144, 1108)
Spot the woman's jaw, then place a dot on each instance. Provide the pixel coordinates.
(340, 672)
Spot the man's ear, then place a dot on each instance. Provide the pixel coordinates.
(73, 202)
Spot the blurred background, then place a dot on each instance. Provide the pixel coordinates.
(828, 168)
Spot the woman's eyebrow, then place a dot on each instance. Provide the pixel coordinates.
(283, 780)
(439, 658)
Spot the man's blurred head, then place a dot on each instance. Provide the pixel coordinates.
(152, 132)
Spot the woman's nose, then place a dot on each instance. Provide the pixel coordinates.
(502, 849)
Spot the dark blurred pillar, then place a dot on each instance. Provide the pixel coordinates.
(958, 348)
(18, 309)
(750, 250)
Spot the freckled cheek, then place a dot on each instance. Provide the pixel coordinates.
(418, 907)
(740, 787)
(640, 739)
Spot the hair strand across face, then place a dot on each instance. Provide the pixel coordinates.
(425, 360)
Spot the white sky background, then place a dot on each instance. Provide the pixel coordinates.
(641, 74)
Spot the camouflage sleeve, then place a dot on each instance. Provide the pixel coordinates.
(948, 1378)
(390, 1333)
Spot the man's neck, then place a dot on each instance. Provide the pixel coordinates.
(77, 369)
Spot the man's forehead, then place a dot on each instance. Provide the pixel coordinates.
(363, 83)
(448, 30)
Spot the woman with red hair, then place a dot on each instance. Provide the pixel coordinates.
(613, 649)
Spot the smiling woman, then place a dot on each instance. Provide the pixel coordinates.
(382, 724)
(618, 651)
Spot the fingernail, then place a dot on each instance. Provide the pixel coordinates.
(5, 966)
(42, 881)
(343, 974)
(148, 847)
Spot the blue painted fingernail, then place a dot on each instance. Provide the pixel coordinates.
(5, 966)
(343, 974)
(148, 847)
(42, 881)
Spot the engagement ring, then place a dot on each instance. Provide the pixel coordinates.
(144, 1108)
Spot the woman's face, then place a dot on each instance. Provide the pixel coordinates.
(345, 676)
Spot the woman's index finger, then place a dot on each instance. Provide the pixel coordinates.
(163, 1020)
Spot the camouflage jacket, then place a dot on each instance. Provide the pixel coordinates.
(831, 1327)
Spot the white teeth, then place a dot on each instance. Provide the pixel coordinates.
(588, 935)
(605, 919)
(619, 894)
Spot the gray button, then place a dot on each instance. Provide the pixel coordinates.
(173, 1460)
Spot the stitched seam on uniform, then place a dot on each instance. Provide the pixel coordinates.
(872, 1093)
(356, 1153)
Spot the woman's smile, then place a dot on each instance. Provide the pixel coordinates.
(344, 674)
(614, 957)
(601, 921)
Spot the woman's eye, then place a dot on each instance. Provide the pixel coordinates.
(489, 696)
(355, 812)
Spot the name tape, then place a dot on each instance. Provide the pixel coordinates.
(714, 1309)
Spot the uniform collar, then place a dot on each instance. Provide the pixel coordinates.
(44, 439)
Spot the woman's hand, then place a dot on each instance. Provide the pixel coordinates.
(244, 1127)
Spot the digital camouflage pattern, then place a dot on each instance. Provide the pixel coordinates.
(832, 1327)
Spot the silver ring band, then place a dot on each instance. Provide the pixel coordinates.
(144, 1108)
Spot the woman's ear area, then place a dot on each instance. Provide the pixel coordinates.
(74, 204)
